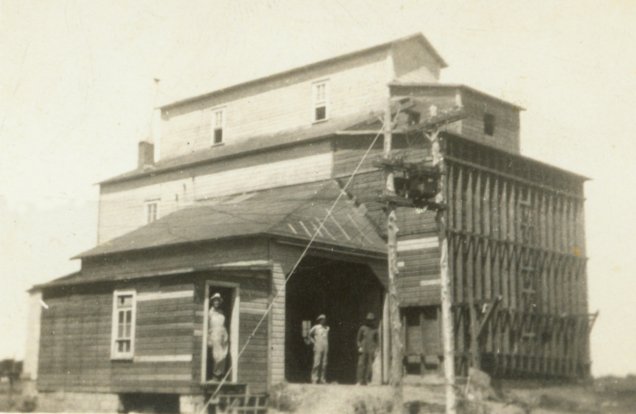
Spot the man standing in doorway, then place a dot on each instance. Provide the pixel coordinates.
(217, 338)
(367, 345)
(319, 337)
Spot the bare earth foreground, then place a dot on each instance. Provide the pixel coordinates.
(608, 395)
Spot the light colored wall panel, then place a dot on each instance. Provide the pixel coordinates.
(356, 85)
(122, 205)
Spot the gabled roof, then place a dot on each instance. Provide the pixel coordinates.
(419, 37)
(293, 212)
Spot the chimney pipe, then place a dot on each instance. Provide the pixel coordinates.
(146, 154)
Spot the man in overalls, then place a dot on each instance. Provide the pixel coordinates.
(319, 337)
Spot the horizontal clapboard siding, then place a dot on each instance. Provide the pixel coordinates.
(418, 258)
(121, 205)
(507, 122)
(254, 291)
(76, 340)
(356, 85)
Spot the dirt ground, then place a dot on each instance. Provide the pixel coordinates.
(606, 395)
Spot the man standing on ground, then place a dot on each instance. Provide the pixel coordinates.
(319, 337)
(367, 345)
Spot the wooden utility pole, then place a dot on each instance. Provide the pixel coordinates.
(394, 306)
(447, 315)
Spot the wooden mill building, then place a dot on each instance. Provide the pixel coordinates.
(242, 182)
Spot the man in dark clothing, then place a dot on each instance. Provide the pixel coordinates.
(367, 345)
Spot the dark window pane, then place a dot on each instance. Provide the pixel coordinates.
(489, 124)
(218, 136)
(321, 113)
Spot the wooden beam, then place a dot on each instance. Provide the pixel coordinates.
(392, 230)
(442, 218)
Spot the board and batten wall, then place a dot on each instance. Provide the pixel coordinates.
(122, 205)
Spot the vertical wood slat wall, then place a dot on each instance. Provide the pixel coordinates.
(522, 240)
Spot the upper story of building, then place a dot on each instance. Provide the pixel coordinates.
(271, 131)
(330, 90)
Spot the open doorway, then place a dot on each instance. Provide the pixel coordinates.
(345, 293)
(220, 335)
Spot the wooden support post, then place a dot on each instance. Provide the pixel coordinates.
(392, 230)
(447, 315)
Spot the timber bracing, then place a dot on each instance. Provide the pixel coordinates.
(521, 240)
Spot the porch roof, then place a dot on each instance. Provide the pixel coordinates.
(293, 212)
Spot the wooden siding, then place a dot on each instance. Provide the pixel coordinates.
(412, 63)
(415, 265)
(418, 258)
(356, 85)
(76, 341)
(254, 292)
(194, 256)
(121, 206)
(476, 105)
(507, 123)
(76, 329)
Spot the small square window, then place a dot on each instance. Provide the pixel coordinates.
(321, 113)
(489, 124)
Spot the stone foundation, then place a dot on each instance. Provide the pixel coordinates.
(190, 404)
(77, 402)
(74, 402)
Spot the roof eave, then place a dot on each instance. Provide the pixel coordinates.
(159, 170)
(456, 86)
(519, 156)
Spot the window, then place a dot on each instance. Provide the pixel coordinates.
(320, 101)
(218, 122)
(123, 328)
(489, 124)
(151, 211)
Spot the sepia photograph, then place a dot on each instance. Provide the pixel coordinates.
(292, 206)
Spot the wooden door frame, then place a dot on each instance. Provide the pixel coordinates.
(234, 327)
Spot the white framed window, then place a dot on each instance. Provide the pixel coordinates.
(218, 125)
(151, 211)
(320, 98)
(123, 325)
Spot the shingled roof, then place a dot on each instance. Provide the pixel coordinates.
(293, 212)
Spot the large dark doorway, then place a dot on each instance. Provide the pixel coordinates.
(345, 293)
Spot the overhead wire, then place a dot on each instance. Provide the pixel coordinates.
(294, 267)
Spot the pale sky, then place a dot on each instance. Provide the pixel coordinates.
(76, 94)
